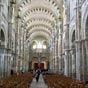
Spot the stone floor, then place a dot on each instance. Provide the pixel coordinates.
(39, 84)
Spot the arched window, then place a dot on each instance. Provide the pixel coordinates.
(73, 36)
(44, 45)
(73, 39)
(39, 45)
(2, 37)
(34, 45)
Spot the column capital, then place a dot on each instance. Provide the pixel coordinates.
(77, 41)
(67, 49)
(72, 49)
(84, 40)
(61, 54)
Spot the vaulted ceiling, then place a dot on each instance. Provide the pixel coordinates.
(39, 17)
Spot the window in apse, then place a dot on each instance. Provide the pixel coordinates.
(39, 46)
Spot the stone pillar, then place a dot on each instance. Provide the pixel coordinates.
(78, 69)
(86, 60)
(23, 49)
(0, 37)
(60, 49)
(55, 55)
(51, 64)
(16, 37)
(77, 41)
(67, 50)
(66, 27)
(86, 46)
(73, 63)
(51, 56)
(66, 72)
(83, 60)
(1, 5)
(19, 51)
(56, 45)
(60, 63)
(57, 62)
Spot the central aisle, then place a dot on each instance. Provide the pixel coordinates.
(40, 84)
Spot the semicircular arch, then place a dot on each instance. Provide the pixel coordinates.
(39, 29)
(37, 25)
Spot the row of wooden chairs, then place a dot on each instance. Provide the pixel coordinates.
(17, 81)
(60, 81)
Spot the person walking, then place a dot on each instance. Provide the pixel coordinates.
(11, 72)
(37, 74)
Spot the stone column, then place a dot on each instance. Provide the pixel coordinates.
(67, 50)
(19, 47)
(0, 38)
(86, 46)
(25, 49)
(57, 44)
(57, 62)
(22, 46)
(11, 42)
(60, 50)
(83, 60)
(16, 36)
(1, 5)
(57, 54)
(66, 72)
(73, 63)
(52, 57)
(66, 26)
(86, 59)
(77, 41)
(70, 63)
(53, 52)
(78, 69)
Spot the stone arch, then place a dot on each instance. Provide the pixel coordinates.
(40, 30)
(39, 22)
(36, 25)
(38, 19)
(84, 19)
(44, 10)
(52, 3)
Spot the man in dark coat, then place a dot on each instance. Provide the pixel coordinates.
(37, 75)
